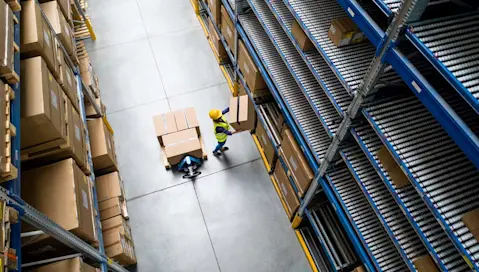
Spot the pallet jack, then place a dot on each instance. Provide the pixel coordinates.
(189, 165)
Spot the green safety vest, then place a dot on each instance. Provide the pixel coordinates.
(221, 137)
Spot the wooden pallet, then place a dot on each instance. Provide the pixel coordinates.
(14, 5)
(8, 72)
(82, 53)
(81, 30)
(9, 171)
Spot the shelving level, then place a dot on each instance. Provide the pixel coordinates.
(410, 94)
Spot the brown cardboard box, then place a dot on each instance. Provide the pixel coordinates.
(119, 248)
(36, 37)
(108, 186)
(111, 208)
(266, 144)
(286, 189)
(65, 7)
(102, 147)
(296, 162)
(250, 71)
(276, 117)
(59, 23)
(42, 107)
(117, 224)
(215, 8)
(228, 29)
(471, 220)
(61, 192)
(70, 265)
(68, 83)
(186, 119)
(424, 264)
(242, 114)
(216, 40)
(175, 121)
(90, 111)
(86, 72)
(343, 31)
(6, 39)
(181, 143)
(359, 269)
(301, 38)
(396, 175)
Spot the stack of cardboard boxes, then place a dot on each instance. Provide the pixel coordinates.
(71, 265)
(113, 215)
(102, 146)
(178, 133)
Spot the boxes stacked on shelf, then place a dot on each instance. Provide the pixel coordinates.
(71, 265)
(178, 133)
(218, 48)
(286, 189)
(227, 29)
(102, 146)
(90, 111)
(250, 71)
(215, 8)
(7, 44)
(88, 75)
(117, 236)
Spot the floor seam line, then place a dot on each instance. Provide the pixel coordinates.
(157, 191)
(226, 169)
(206, 226)
(139, 105)
(196, 90)
(116, 44)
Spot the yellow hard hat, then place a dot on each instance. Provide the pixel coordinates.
(215, 114)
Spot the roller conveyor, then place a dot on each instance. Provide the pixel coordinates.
(366, 224)
(452, 45)
(350, 63)
(379, 197)
(298, 106)
(440, 171)
(306, 81)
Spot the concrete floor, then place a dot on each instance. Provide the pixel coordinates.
(152, 57)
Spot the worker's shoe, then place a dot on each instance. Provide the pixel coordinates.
(216, 153)
(225, 148)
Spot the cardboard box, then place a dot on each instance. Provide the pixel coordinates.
(215, 8)
(108, 186)
(180, 144)
(6, 39)
(396, 175)
(250, 71)
(70, 265)
(61, 192)
(343, 31)
(175, 121)
(68, 83)
(42, 105)
(215, 39)
(286, 189)
(228, 29)
(423, 264)
(359, 269)
(301, 38)
(36, 37)
(90, 111)
(65, 7)
(296, 162)
(242, 114)
(60, 25)
(119, 248)
(102, 147)
(274, 115)
(471, 220)
(266, 144)
(117, 224)
(111, 208)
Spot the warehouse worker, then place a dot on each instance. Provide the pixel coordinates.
(221, 129)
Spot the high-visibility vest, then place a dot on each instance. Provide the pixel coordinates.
(221, 137)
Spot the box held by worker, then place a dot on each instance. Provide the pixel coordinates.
(6, 41)
(71, 265)
(102, 147)
(36, 37)
(301, 38)
(242, 115)
(254, 79)
(42, 105)
(119, 248)
(471, 220)
(296, 162)
(108, 186)
(111, 207)
(286, 189)
(343, 31)
(117, 224)
(266, 144)
(61, 192)
(180, 144)
(396, 175)
(228, 29)
(215, 39)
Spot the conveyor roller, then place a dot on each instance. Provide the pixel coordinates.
(298, 68)
(452, 45)
(442, 173)
(297, 104)
(379, 197)
(366, 224)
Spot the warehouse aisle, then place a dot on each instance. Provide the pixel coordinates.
(152, 57)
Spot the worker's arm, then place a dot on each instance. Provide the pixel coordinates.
(225, 111)
(222, 130)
